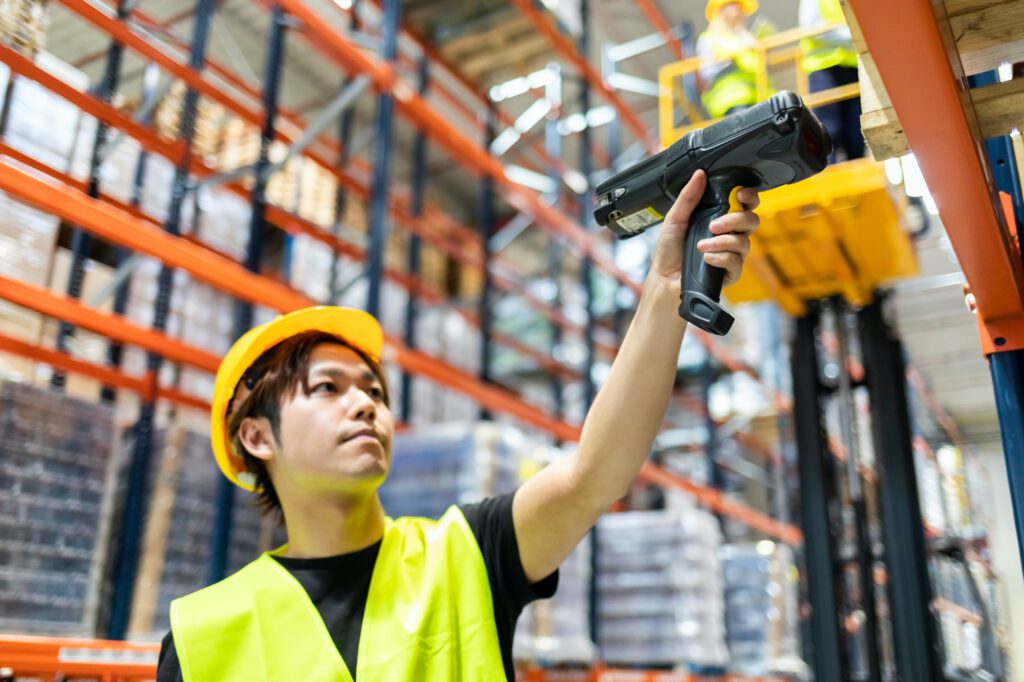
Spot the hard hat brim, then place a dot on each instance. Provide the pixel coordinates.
(356, 327)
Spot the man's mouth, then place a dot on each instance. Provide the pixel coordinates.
(363, 433)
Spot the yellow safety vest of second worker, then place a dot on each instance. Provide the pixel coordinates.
(429, 617)
(736, 84)
(825, 51)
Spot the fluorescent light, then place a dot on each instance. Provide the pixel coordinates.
(529, 178)
(344, 4)
(893, 171)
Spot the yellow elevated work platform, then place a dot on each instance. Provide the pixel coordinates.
(838, 233)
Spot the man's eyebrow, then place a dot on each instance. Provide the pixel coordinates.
(338, 373)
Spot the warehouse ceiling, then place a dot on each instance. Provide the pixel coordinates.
(488, 42)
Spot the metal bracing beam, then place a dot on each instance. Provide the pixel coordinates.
(339, 104)
(653, 14)
(564, 46)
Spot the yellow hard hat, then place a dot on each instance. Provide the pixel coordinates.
(354, 326)
(711, 10)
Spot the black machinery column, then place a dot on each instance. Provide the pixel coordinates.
(828, 654)
(915, 633)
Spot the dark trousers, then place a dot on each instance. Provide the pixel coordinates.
(841, 118)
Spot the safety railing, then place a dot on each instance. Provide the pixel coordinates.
(778, 61)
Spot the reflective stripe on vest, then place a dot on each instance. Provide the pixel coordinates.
(820, 53)
(429, 616)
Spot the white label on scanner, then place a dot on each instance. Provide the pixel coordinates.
(640, 221)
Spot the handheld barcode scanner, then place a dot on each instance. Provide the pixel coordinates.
(776, 142)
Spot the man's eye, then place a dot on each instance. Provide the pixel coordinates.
(376, 391)
(324, 387)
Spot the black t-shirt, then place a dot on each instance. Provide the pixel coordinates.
(339, 586)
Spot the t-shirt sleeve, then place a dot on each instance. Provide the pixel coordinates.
(167, 667)
(491, 522)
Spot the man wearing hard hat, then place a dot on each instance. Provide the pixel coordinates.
(730, 67)
(301, 416)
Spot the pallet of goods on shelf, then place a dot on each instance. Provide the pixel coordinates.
(55, 462)
(556, 631)
(23, 25)
(179, 523)
(209, 115)
(436, 466)
(761, 608)
(660, 599)
(28, 238)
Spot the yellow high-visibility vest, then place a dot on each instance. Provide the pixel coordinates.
(429, 617)
(819, 53)
(735, 85)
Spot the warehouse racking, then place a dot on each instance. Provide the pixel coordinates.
(406, 58)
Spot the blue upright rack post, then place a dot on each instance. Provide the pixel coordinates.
(127, 558)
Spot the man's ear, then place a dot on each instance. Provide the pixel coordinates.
(257, 437)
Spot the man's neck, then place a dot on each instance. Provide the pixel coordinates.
(339, 526)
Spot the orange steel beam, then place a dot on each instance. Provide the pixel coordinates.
(61, 307)
(106, 222)
(100, 659)
(144, 386)
(715, 501)
(654, 16)
(932, 101)
(565, 46)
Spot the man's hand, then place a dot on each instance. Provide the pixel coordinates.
(555, 509)
(727, 249)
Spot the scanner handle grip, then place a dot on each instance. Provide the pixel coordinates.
(701, 286)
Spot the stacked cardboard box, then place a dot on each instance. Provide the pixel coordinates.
(317, 192)
(23, 25)
(27, 241)
(54, 458)
(660, 592)
(41, 124)
(207, 126)
(120, 160)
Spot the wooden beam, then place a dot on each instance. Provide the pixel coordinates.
(987, 32)
(1000, 107)
(878, 122)
(884, 134)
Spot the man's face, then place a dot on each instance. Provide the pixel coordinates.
(339, 436)
(732, 14)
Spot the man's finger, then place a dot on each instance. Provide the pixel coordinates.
(743, 222)
(735, 243)
(687, 199)
(726, 260)
(750, 198)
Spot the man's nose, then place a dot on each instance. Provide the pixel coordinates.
(362, 406)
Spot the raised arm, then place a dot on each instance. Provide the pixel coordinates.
(557, 507)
